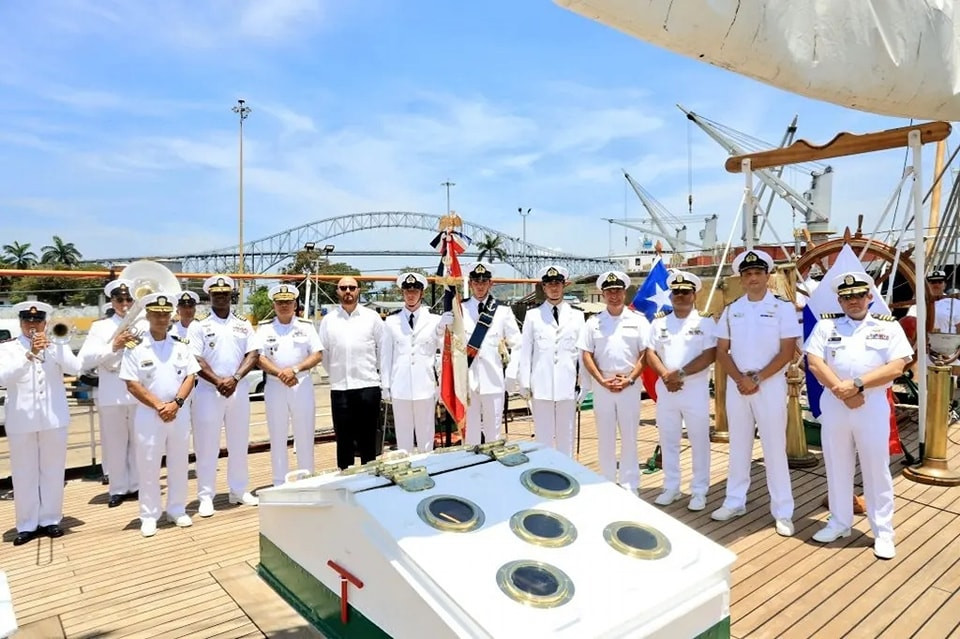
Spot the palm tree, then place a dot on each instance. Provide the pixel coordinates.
(60, 252)
(19, 255)
(491, 245)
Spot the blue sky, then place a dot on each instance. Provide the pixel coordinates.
(116, 131)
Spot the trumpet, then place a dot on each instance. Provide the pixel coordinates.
(57, 335)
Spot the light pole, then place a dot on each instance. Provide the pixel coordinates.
(524, 216)
(448, 184)
(243, 111)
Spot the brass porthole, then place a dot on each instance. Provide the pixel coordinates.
(637, 540)
(543, 528)
(534, 583)
(450, 513)
(553, 484)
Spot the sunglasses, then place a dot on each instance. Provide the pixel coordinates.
(685, 291)
(118, 298)
(33, 320)
(347, 288)
(853, 296)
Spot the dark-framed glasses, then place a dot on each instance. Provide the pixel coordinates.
(347, 288)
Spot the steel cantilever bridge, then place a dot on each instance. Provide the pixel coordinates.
(263, 255)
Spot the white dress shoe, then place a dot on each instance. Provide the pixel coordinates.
(829, 533)
(246, 499)
(784, 528)
(206, 507)
(148, 527)
(883, 548)
(724, 514)
(183, 521)
(667, 497)
(697, 502)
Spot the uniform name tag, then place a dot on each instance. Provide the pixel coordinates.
(146, 363)
(835, 338)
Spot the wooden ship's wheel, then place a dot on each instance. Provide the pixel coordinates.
(878, 261)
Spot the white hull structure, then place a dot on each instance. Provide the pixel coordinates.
(884, 56)
(542, 548)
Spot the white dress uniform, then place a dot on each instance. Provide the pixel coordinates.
(223, 343)
(486, 373)
(851, 349)
(36, 424)
(160, 366)
(287, 345)
(754, 330)
(548, 368)
(114, 404)
(617, 342)
(408, 372)
(677, 342)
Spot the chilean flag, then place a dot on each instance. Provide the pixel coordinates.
(824, 300)
(652, 297)
(453, 365)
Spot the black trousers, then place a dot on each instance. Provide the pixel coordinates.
(356, 417)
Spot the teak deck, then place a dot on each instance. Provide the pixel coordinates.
(103, 579)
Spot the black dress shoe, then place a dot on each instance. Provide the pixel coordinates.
(24, 537)
(133, 495)
(115, 500)
(53, 531)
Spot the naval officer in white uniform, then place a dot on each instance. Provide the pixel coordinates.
(683, 346)
(222, 344)
(104, 351)
(37, 419)
(159, 372)
(856, 356)
(408, 376)
(289, 348)
(756, 339)
(549, 362)
(613, 344)
(186, 312)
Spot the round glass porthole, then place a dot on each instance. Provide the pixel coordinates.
(450, 513)
(553, 484)
(637, 540)
(534, 583)
(543, 528)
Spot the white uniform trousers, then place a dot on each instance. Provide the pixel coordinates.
(484, 413)
(613, 410)
(213, 412)
(154, 439)
(37, 464)
(415, 416)
(689, 406)
(285, 405)
(553, 423)
(766, 410)
(862, 432)
(119, 441)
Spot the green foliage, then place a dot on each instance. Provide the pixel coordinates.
(19, 256)
(260, 304)
(60, 252)
(57, 291)
(491, 246)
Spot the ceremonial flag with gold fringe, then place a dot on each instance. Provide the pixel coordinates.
(453, 368)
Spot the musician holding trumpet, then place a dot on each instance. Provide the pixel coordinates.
(32, 368)
(103, 350)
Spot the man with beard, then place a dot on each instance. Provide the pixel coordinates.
(407, 366)
(350, 337)
(549, 362)
(222, 343)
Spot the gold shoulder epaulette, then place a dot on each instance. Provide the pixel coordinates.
(830, 315)
(202, 316)
(883, 318)
(182, 340)
(266, 321)
(705, 314)
(660, 314)
(239, 316)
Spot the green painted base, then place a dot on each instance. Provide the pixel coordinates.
(314, 601)
(720, 630)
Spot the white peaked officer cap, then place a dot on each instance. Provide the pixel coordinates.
(753, 258)
(852, 283)
(480, 271)
(683, 281)
(120, 285)
(613, 279)
(412, 280)
(218, 284)
(284, 292)
(553, 273)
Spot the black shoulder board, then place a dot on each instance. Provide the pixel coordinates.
(177, 338)
(830, 315)
(783, 299)
(660, 314)
(883, 318)
(304, 320)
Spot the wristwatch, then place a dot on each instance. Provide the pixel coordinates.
(681, 373)
(237, 377)
(178, 401)
(631, 381)
(296, 370)
(858, 383)
(755, 378)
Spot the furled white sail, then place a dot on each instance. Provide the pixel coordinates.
(893, 57)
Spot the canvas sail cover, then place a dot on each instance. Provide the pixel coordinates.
(891, 57)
